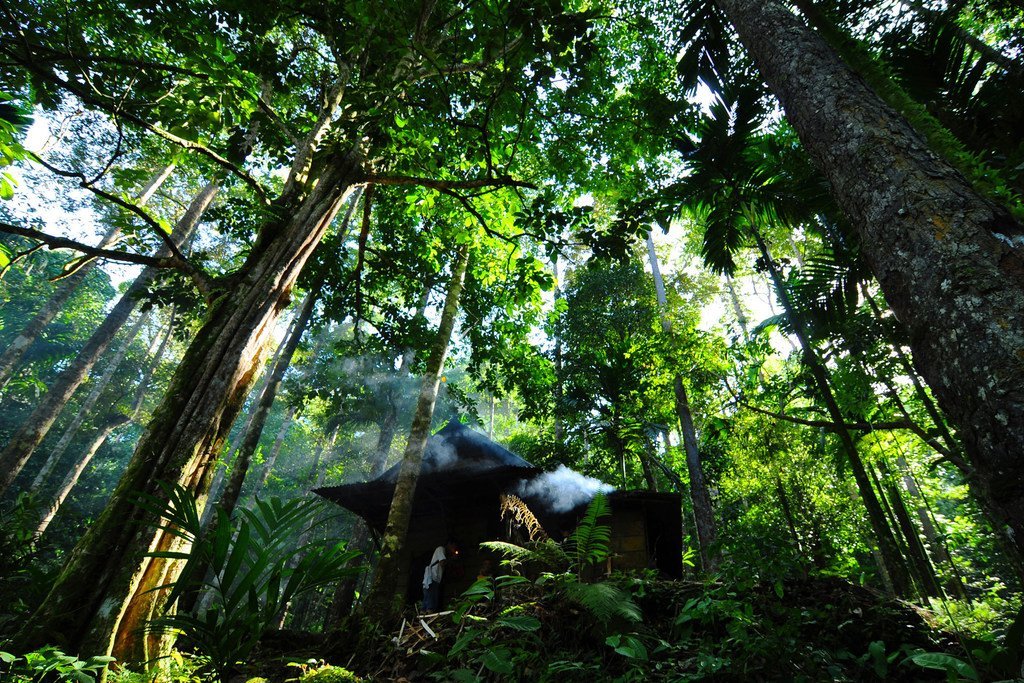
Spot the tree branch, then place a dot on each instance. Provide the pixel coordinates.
(57, 242)
(832, 426)
(96, 99)
(434, 184)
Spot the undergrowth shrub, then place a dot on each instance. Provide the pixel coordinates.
(252, 568)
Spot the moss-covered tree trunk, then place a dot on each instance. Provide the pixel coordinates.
(387, 591)
(102, 599)
(944, 256)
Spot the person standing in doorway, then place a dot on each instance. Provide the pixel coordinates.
(434, 574)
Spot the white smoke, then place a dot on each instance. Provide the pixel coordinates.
(442, 454)
(562, 489)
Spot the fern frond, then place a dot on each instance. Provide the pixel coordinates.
(604, 600)
(591, 539)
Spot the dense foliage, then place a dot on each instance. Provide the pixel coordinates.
(250, 250)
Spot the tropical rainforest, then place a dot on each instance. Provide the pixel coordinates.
(763, 257)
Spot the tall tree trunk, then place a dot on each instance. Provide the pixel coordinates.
(90, 401)
(317, 474)
(646, 455)
(887, 545)
(104, 596)
(703, 511)
(940, 251)
(737, 307)
(229, 498)
(559, 388)
(106, 426)
(275, 449)
(386, 593)
(916, 551)
(35, 428)
(344, 596)
(883, 565)
(936, 541)
(13, 354)
(938, 419)
(223, 463)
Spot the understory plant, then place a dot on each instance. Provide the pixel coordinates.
(50, 664)
(250, 569)
(569, 566)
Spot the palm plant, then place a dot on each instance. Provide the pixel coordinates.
(255, 568)
(744, 182)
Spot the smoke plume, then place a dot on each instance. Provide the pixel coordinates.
(440, 454)
(562, 489)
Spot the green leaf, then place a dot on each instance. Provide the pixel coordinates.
(522, 622)
(945, 662)
(498, 660)
(463, 642)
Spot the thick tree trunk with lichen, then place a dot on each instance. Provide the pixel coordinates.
(386, 595)
(251, 440)
(104, 596)
(942, 253)
(12, 355)
(37, 426)
(703, 512)
(223, 463)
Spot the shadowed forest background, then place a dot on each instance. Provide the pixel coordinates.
(764, 255)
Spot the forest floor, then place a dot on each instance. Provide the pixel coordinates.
(807, 629)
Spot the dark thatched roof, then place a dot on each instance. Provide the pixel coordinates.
(459, 464)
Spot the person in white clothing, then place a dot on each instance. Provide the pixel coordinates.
(433, 574)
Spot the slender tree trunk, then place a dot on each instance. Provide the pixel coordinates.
(386, 595)
(646, 455)
(107, 426)
(940, 251)
(703, 511)
(13, 354)
(916, 551)
(737, 308)
(872, 544)
(936, 541)
(787, 513)
(344, 596)
(105, 594)
(36, 427)
(559, 389)
(938, 419)
(887, 545)
(275, 450)
(317, 474)
(90, 401)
